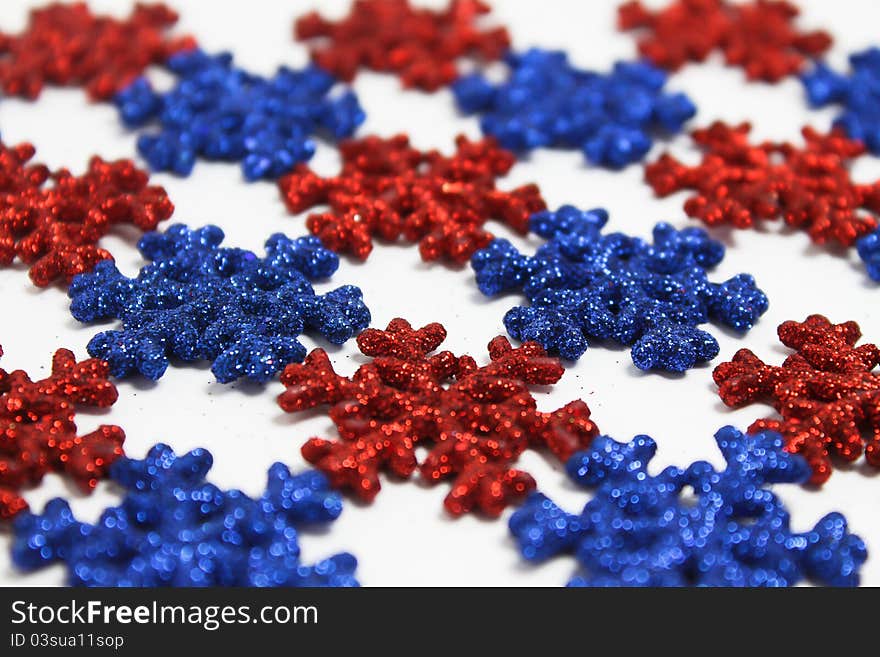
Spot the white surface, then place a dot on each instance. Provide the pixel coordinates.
(405, 538)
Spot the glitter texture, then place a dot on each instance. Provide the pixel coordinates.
(217, 111)
(584, 284)
(546, 102)
(55, 228)
(175, 529)
(869, 251)
(640, 530)
(473, 420)
(758, 37)
(67, 45)
(197, 300)
(38, 432)
(858, 93)
(388, 189)
(418, 45)
(739, 184)
(828, 393)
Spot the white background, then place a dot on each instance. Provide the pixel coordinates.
(405, 538)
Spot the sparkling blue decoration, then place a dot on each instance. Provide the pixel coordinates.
(219, 112)
(197, 300)
(869, 251)
(858, 93)
(546, 102)
(692, 526)
(175, 529)
(615, 287)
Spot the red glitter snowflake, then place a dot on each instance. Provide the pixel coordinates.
(757, 36)
(420, 46)
(827, 393)
(474, 420)
(388, 189)
(55, 228)
(65, 44)
(739, 183)
(38, 433)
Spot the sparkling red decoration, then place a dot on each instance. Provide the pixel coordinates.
(65, 44)
(758, 37)
(739, 183)
(474, 420)
(420, 46)
(827, 393)
(55, 228)
(388, 189)
(38, 432)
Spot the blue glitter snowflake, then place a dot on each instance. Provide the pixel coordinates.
(219, 112)
(858, 93)
(637, 530)
(869, 251)
(175, 529)
(584, 284)
(197, 301)
(546, 102)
